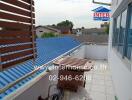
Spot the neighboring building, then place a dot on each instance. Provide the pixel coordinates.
(46, 29)
(74, 31)
(79, 32)
(95, 39)
(65, 30)
(120, 48)
(104, 25)
(92, 31)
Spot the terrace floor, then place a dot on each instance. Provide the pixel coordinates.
(99, 84)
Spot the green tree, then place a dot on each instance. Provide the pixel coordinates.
(107, 29)
(48, 35)
(36, 36)
(83, 27)
(66, 23)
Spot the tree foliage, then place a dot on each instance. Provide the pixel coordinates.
(107, 29)
(66, 23)
(48, 35)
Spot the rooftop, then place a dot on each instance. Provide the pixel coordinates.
(99, 85)
(99, 39)
(47, 50)
(49, 28)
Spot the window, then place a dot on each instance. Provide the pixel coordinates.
(122, 32)
(116, 31)
(122, 37)
(41, 31)
(129, 35)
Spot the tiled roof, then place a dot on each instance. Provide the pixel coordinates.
(47, 49)
(49, 28)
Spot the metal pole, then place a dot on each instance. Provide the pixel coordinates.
(32, 31)
(107, 4)
(0, 64)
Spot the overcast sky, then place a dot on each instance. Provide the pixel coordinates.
(50, 12)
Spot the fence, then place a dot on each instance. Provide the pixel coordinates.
(17, 35)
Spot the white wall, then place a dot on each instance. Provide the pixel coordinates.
(97, 51)
(41, 29)
(122, 76)
(44, 30)
(79, 53)
(92, 51)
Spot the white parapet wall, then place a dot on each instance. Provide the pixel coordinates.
(96, 52)
(79, 53)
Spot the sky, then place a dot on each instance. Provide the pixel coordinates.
(80, 12)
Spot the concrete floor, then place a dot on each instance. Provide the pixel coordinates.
(99, 85)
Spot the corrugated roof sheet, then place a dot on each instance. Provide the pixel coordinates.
(47, 50)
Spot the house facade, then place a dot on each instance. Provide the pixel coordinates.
(120, 55)
(65, 30)
(46, 29)
(104, 25)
